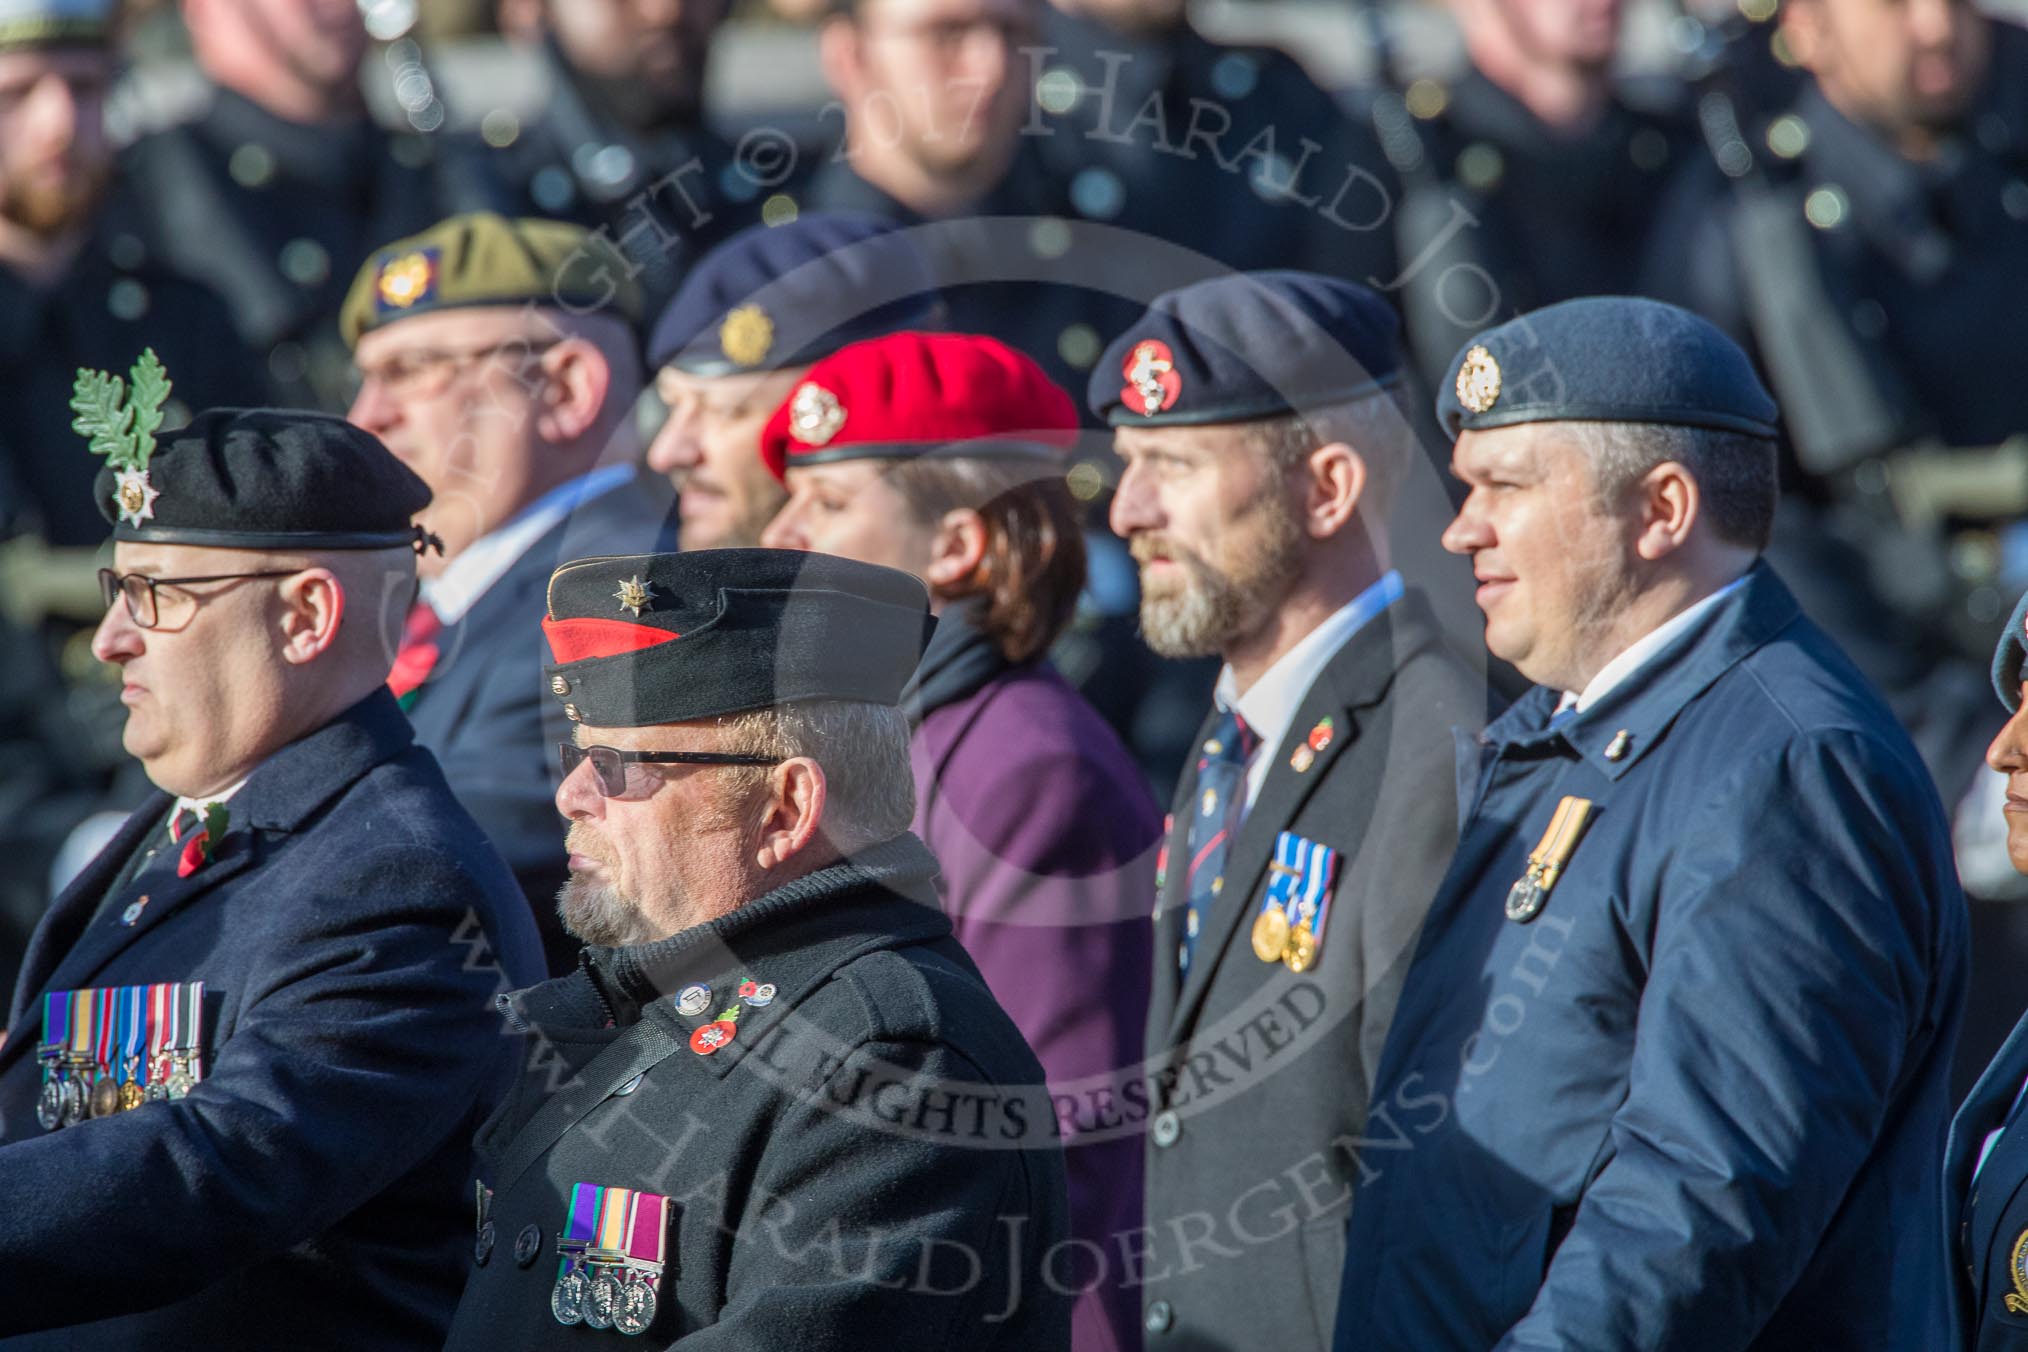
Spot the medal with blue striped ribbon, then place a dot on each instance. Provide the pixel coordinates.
(1301, 879)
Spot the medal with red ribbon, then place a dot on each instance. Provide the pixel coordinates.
(614, 1252)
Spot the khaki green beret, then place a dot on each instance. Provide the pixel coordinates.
(481, 258)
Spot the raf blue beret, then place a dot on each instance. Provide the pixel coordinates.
(1246, 346)
(2008, 657)
(777, 296)
(1605, 359)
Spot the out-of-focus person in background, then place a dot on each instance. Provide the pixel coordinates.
(1854, 241)
(78, 287)
(740, 335)
(1539, 166)
(498, 360)
(1986, 1163)
(622, 141)
(1229, 150)
(276, 189)
(942, 455)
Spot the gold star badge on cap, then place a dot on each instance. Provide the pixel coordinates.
(406, 279)
(746, 335)
(1479, 380)
(815, 415)
(635, 595)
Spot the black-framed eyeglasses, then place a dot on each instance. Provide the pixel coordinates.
(144, 607)
(426, 372)
(609, 763)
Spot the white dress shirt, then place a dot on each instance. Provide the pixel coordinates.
(1642, 649)
(453, 592)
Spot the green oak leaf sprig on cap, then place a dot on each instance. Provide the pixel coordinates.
(119, 418)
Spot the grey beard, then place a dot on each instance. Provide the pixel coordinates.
(598, 914)
(1216, 608)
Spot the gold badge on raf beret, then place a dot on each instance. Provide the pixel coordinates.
(1479, 380)
(746, 335)
(406, 278)
(815, 415)
(2017, 1269)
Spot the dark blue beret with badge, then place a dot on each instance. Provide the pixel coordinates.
(2010, 655)
(1246, 346)
(669, 638)
(240, 478)
(776, 296)
(1605, 359)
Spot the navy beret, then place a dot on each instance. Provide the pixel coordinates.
(776, 296)
(668, 638)
(2008, 657)
(265, 478)
(1605, 359)
(1245, 346)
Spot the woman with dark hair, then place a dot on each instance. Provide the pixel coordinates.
(942, 455)
(1986, 1164)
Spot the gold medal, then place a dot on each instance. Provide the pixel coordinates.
(131, 1096)
(1301, 953)
(105, 1097)
(1270, 934)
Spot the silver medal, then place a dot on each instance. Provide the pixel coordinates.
(72, 1110)
(637, 1306)
(601, 1301)
(49, 1104)
(566, 1301)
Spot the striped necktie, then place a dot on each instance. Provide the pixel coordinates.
(1220, 795)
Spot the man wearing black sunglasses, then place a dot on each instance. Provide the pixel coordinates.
(262, 1018)
(775, 1105)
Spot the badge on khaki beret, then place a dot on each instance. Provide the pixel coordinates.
(815, 415)
(121, 420)
(1479, 380)
(407, 279)
(1152, 378)
(746, 335)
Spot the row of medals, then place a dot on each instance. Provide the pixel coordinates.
(604, 1289)
(83, 1088)
(1276, 940)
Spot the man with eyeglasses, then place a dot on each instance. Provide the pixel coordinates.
(775, 1106)
(498, 361)
(252, 1041)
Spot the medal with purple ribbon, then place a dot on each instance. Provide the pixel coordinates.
(566, 1300)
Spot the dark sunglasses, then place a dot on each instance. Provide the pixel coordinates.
(609, 764)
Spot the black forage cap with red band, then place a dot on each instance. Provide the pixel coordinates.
(908, 395)
(642, 639)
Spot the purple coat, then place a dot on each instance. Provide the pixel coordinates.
(1047, 835)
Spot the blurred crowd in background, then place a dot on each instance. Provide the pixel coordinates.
(1841, 184)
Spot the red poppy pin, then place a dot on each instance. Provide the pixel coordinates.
(198, 846)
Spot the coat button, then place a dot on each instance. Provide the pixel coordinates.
(1160, 1317)
(559, 686)
(1167, 1128)
(482, 1247)
(527, 1245)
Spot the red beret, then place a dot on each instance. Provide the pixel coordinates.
(911, 394)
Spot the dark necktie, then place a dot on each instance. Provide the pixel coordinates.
(417, 653)
(1220, 795)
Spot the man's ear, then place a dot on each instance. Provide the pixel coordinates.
(841, 58)
(1336, 481)
(959, 549)
(313, 607)
(793, 813)
(575, 395)
(1665, 507)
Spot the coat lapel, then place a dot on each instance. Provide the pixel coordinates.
(1356, 678)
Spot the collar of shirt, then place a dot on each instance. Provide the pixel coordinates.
(1636, 656)
(466, 578)
(1271, 704)
(197, 805)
